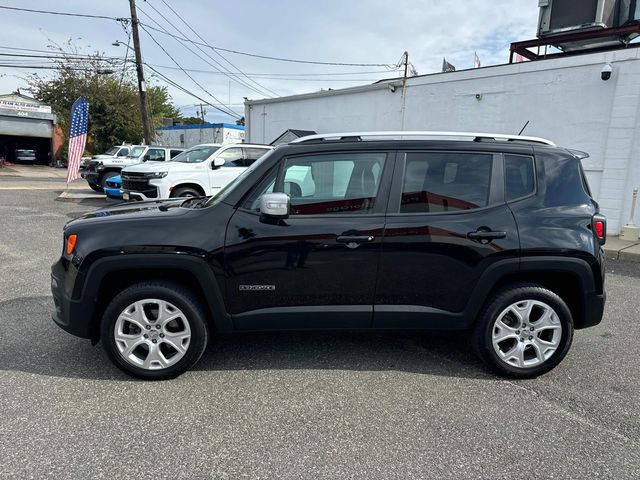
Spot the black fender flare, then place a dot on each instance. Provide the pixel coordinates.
(195, 265)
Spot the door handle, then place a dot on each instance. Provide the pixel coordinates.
(485, 235)
(354, 238)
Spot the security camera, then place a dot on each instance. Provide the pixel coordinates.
(605, 74)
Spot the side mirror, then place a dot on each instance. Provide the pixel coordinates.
(274, 205)
(146, 158)
(217, 162)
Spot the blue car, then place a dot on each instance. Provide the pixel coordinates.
(112, 188)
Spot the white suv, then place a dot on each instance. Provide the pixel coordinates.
(200, 171)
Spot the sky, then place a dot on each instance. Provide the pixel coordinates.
(335, 31)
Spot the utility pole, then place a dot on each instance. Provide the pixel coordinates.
(404, 89)
(142, 88)
(202, 111)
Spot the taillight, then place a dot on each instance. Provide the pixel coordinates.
(71, 243)
(599, 226)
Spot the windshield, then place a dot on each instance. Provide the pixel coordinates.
(237, 181)
(136, 152)
(112, 151)
(196, 154)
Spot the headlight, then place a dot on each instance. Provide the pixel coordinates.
(156, 174)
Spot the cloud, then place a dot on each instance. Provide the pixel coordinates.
(352, 31)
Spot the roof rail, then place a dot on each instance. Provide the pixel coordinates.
(477, 137)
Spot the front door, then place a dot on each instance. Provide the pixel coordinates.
(316, 268)
(234, 165)
(447, 224)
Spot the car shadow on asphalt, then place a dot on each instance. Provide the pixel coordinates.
(30, 342)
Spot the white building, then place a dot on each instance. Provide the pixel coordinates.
(188, 136)
(563, 99)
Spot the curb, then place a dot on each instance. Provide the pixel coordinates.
(67, 196)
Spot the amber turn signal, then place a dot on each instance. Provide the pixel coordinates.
(71, 243)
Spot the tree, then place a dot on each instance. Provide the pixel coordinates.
(114, 109)
(190, 121)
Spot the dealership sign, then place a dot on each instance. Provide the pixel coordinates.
(24, 106)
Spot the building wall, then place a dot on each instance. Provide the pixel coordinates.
(564, 99)
(190, 135)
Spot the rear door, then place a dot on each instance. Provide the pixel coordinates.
(446, 225)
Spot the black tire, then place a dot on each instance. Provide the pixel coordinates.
(106, 176)
(180, 297)
(185, 192)
(501, 300)
(95, 188)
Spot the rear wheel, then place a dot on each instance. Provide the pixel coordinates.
(154, 330)
(95, 188)
(186, 192)
(524, 331)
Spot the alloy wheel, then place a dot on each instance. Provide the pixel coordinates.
(526, 334)
(152, 334)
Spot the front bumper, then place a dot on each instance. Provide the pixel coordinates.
(72, 315)
(113, 192)
(91, 177)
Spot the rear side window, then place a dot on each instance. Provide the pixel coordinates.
(445, 182)
(252, 154)
(519, 176)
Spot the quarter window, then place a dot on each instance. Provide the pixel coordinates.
(519, 176)
(333, 184)
(445, 182)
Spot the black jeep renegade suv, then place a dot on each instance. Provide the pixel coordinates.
(489, 233)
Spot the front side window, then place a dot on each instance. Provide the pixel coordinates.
(333, 184)
(136, 152)
(445, 182)
(155, 155)
(232, 157)
(195, 155)
(252, 154)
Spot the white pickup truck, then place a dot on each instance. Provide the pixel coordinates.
(200, 171)
(99, 170)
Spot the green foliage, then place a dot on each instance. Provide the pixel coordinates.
(114, 106)
(190, 121)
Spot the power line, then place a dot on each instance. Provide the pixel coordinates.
(187, 74)
(266, 57)
(217, 53)
(241, 82)
(188, 92)
(66, 14)
(267, 76)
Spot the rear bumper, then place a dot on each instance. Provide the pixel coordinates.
(594, 310)
(71, 315)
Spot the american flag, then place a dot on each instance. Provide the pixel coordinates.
(77, 136)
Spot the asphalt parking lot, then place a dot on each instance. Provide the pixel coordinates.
(301, 405)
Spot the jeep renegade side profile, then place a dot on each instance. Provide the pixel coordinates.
(493, 234)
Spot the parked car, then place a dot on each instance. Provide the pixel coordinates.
(114, 152)
(97, 172)
(493, 234)
(25, 155)
(200, 171)
(113, 186)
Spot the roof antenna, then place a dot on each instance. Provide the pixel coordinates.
(525, 126)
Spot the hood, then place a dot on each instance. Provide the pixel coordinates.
(132, 211)
(148, 167)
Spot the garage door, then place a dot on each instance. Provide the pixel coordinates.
(25, 127)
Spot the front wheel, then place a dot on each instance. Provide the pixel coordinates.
(154, 330)
(185, 192)
(524, 331)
